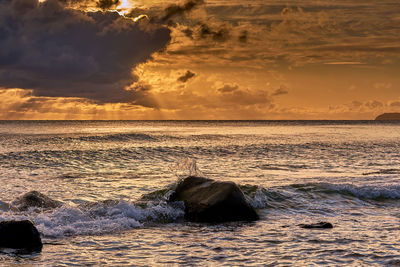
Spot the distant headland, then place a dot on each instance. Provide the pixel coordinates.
(388, 117)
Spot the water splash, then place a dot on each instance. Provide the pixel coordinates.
(186, 167)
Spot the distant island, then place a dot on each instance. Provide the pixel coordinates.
(388, 117)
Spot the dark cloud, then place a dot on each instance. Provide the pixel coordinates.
(83, 4)
(142, 94)
(282, 90)
(61, 52)
(373, 104)
(186, 77)
(233, 94)
(21, 7)
(243, 37)
(221, 34)
(153, 13)
(204, 30)
(227, 88)
(246, 98)
(91, 4)
(188, 33)
(108, 4)
(273, 34)
(178, 10)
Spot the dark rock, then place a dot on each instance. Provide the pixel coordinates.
(212, 201)
(156, 195)
(320, 225)
(388, 117)
(20, 235)
(36, 199)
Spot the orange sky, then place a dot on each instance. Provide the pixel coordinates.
(199, 60)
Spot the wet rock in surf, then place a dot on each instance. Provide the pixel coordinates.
(212, 201)
(35, 199)
(320, 225)
(20, 235)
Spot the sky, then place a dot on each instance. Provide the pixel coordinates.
(199, 59)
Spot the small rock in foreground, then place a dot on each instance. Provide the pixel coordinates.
(20, 235)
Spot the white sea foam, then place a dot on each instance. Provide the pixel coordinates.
(101, 218)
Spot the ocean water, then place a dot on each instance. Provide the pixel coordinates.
(292, 172)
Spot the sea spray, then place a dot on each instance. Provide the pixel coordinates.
(186, 167)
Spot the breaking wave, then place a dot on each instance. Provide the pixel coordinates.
(98, 218)
(302, 195)
(94, 218)
(367, 192)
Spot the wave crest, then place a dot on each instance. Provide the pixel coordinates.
(99, 217)
(369, 192)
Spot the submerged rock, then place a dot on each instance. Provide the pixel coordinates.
(320, 225)
(212, 201)
(35, 199)
(20, 235)
(161, 194)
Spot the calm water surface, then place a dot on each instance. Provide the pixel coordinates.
(346, 173)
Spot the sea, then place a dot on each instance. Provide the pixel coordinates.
(114, 179)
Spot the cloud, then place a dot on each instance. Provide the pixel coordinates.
(141, 91)
(356, 104)
(282, 90)
(228, 88)
(243, 36)
(246, 98)
(108, 4)
(177, 10)
(395, 104)
(382, 85)
(62, 52)
(373, 104)
(268, 34)
(233, 94)
(186, 77)
(91, 4)
(22, 104)
(207, 30)
(221, 34)
(366, 106)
